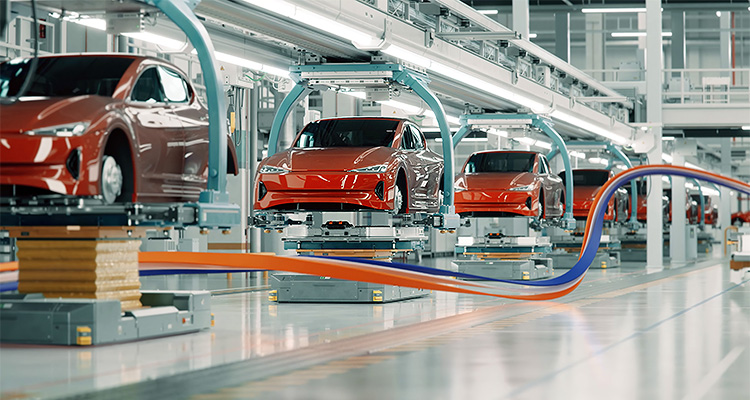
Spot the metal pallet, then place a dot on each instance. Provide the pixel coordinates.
(301, 288)
(33, 319)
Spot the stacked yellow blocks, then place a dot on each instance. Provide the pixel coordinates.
(81, 268)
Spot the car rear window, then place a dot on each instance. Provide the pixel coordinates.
(588, 178)
(500, 162)
(348, 133)
(65, 76)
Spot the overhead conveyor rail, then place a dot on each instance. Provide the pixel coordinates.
(545, 126)
(519, 76)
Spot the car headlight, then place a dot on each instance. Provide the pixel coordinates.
(67, 130)
(371, 169)
(268, 169)
(526, 188)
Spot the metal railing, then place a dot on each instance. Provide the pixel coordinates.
(707, 86)
(689, 85)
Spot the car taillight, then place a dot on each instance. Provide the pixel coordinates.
(380, 190)
(262, 190)
(73, 163)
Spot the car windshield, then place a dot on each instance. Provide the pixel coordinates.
(64, 76)
(348, 133)
(697, 198)
(500, 162)
(588, 178)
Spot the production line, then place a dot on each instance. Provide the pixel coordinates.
(214, 199)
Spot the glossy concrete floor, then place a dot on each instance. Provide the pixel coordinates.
(626, 333)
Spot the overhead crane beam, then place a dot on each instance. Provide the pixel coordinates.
(492, 81)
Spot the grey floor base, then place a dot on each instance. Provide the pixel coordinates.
(628, 333)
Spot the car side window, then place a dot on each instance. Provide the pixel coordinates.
(148, 89)
(175, 88)
(407, 139)
(418, 137)
(544, 165)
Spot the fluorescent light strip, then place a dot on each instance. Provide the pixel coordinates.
(95, 23)
(577, 154)
(533, 35)
(318, 21)
(408, 108)
(613, 10)
(746, 127)
(636, 34)
(249, 64)
(488, 12)
(159, 40)
(326, 24)
(575, 121)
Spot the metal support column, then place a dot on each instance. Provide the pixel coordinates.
(654, 236)
(678, 230)
(678, 41)
(725, 207)
(562, 35)
(521, 17)
(252, 160)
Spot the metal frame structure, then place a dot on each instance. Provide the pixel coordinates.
(326, 75)
(535, 121)
(617, 152)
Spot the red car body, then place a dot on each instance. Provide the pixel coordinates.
(586, 185)
(83, 109)
(350, 164)
(710, 214)
(508, 183)
(741, 217)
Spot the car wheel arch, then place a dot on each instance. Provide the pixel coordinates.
(118, 137)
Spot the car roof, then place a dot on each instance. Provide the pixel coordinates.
(135, 57)
(506, 151)
(356, 117)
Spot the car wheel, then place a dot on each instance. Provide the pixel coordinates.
(111, 180)
(399, 200)
(540, 213)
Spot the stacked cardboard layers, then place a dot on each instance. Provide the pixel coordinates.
(81, 268)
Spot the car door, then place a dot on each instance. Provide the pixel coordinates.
(160, 139)
(431, 167)
(193, 119)
(553, 188)
(407, 148)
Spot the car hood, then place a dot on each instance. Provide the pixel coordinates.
(496, 180)
(330, 158)
(39, 112)
(585, 193)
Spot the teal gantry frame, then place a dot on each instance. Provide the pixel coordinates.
(213, 208)
(394, 73)
(620, 155)
(535, 121)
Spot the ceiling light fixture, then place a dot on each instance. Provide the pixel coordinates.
(488, 12)
(636, 34)
(613, 10)
(162, 41)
